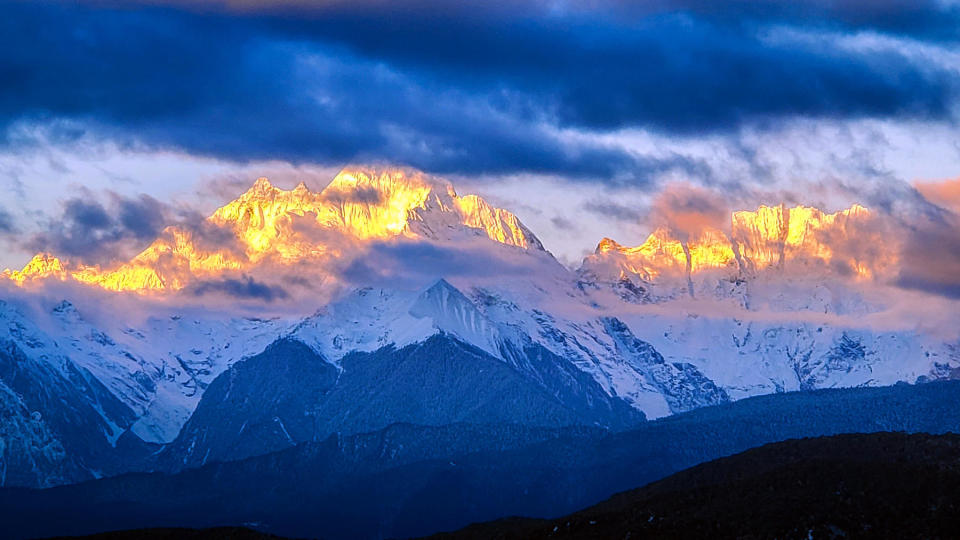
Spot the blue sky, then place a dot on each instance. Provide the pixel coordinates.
(573, 114)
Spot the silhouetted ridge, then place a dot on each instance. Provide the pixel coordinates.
(410, 480)
(881, 485)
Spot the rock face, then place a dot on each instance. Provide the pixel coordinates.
(682, 384)
(60, 423)
(289, 395)
(30, 453)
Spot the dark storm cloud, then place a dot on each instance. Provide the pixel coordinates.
(94, 231)
(932, 19)
(7, 225)
(414, 261)
(142, 217)
(244, 89)
(100, 229)
(692, 69)
(930, 256)
(242, 288)
(611, 209)
(448, 87)
(562, 223)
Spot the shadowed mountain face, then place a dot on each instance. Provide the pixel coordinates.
(72, 438)
(410, 480)
(882, 485)
(289, 394)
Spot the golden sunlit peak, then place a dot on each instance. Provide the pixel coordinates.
(608, 244)
(42, 265)
(262, 183)
(387, 181)
(856, 209)
(269, 225)
(768, 237)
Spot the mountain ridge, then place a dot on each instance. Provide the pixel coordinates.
(770, 239)
(267, 224)
(542, 473)
(880, 485)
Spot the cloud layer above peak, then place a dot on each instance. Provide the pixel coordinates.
(500, 89)
(823, 103)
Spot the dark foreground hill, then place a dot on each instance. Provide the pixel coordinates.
(413, 480)
(218, 533)
(881, 485)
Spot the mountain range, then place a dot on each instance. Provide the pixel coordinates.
(292, 318)
(882, 485)
(407, 480)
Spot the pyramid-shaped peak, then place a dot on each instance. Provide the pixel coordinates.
(442, 285)
(453, 313)
(438, 298)
(262, 183)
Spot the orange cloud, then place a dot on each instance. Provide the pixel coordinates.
(689, 210)
(945, 194)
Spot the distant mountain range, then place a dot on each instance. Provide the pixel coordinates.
(878, 485)
(407, 480)
(298, 330)
(881, 485)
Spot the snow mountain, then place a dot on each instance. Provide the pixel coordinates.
(270, 228)
(799, 247)
(465, 318)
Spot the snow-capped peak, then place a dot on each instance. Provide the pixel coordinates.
(270, 225)
(770, 237)
(452, 312)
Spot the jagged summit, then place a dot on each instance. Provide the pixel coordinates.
(42, 265)
(769, 237)
(607, 244)
(270, 225)
(262, 184)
